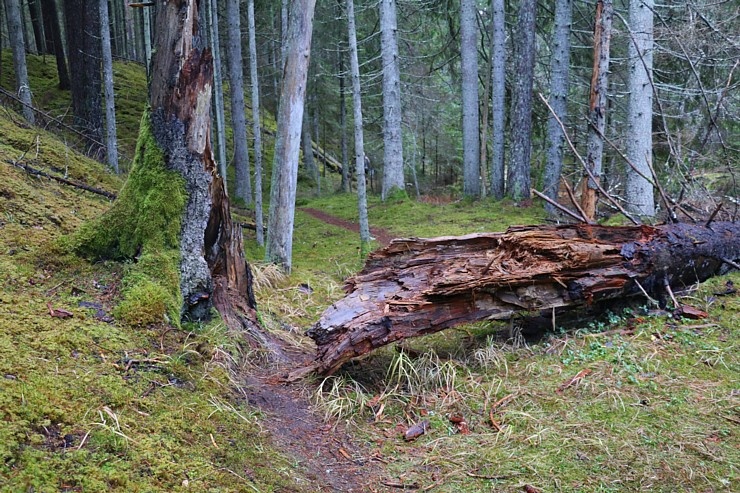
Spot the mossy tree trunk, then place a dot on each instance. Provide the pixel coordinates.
(173, 214)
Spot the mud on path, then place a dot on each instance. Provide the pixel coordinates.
(327, 457)
(383, 236)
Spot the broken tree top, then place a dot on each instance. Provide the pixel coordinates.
(419, 286)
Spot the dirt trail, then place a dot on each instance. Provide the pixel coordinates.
(383, 236)
(329, 457)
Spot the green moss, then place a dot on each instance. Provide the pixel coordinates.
(143, 227)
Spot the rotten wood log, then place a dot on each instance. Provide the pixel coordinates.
(420, 286)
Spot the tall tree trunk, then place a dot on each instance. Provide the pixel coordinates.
(308, 160)
(519, 178)
(470, 129)
(54, 33)
(129, 16)
(597, 104)
(146, 14)
(359, 133)
(218, 92)
(236, 91)
(639, 138)
(256, 125)
(498, 99)
(346, 185)
(34, 9)
(15, 33)
(559, 69)
(392, 136)
(279, 248)
(84, 49)
(111, 142)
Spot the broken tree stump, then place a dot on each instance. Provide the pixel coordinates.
(420, 286)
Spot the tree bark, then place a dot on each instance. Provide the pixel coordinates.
(639, 191)
(519, 179)
(199, 262)
(218, 91)
(559, 84)
(498, 99)
(597, 105)
(34, 10)
(256, 125)
(279, 248)
(15, 33)
(392, 137)
(84, 50)
(359, 131)
(111, 141)
(416, 286)
(469, 69)
(236, 91)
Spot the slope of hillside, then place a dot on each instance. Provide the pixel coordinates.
(87, 404)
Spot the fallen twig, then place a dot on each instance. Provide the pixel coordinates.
(574, 381)
(572, 214)
(81, 186)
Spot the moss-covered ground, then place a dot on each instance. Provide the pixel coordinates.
(87, 404)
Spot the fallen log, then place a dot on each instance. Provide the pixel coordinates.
(420, 286)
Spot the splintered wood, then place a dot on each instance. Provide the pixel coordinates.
(420, 286)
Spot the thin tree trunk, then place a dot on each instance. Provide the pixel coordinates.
(597, 104)
(519, 179)
(256, 125)
(483, 111)
(84, 49)
(469, 68)
(54, 33)
(639, 190)
(218, 92)
(279, 248)
(346, 185)
(147, 25)
(34, 10)
(308, 160)
(15, 33)
(498, 99)
(392, 136)
(111, 142)
(236, 92)
(359, 132)
(559, 70)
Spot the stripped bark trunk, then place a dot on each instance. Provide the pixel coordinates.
(212, 255)
(597, 105)
(417, 286)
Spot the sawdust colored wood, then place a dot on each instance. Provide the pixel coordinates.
(418, 286)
